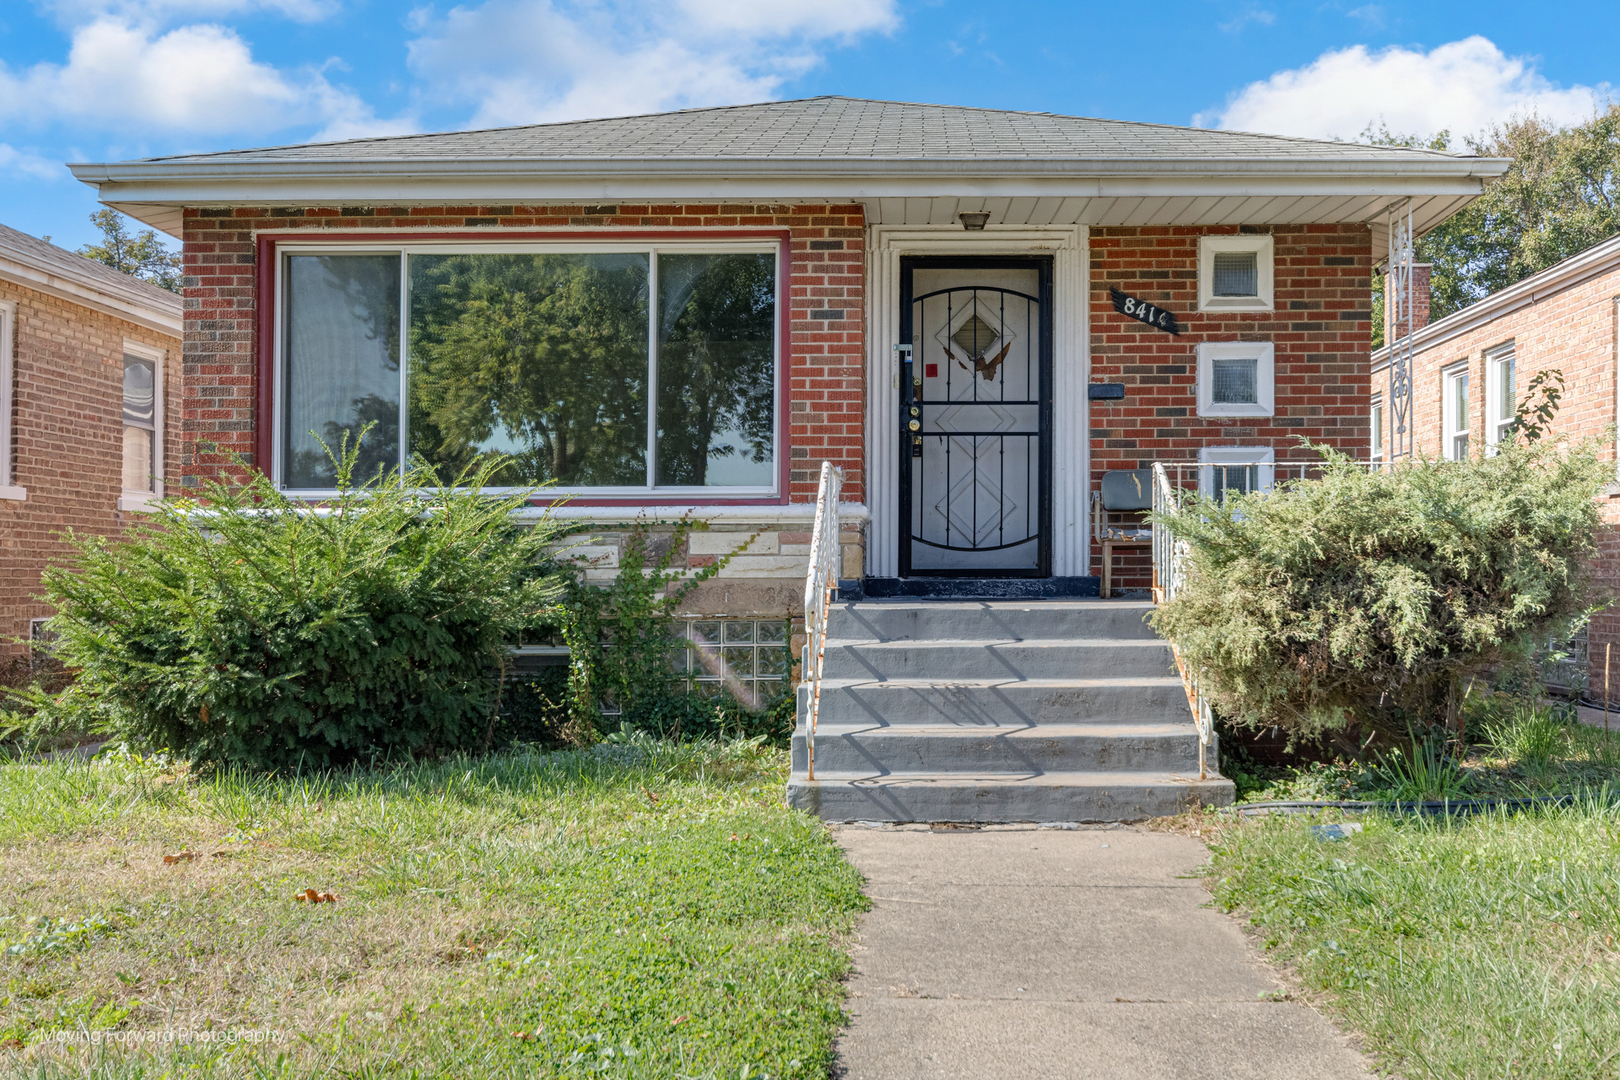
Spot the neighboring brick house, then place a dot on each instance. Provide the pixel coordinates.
(919, 294)
(1472, 368)
(88, 360)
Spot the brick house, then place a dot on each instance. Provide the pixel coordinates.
(83, 438)
(979, 315)
(1472, 368)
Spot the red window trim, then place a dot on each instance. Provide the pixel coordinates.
(264, 359)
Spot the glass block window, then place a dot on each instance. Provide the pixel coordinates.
(1236, 382)
(745, 658)
(1237, 273)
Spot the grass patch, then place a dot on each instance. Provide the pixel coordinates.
(1465, 948)
(1515, 749)
(639, 909)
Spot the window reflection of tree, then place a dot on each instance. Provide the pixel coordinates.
(540, 356)
(715, 363)
(369, 287)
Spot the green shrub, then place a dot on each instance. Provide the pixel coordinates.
(622, 638)
(1368, 596)
(248, 629)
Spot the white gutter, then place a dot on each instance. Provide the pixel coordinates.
(1595, 260)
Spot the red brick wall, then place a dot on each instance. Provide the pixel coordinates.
(826, 313)
(67, 439)
(1320, 327)
(1574, 331)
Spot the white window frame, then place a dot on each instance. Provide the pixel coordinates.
(1263, 457)
(9, 489)
(1264, 353)
(1495, 428)
(1263, 247)
(651, 248)
(1377, 429)
(1450, 430)
(142, 501)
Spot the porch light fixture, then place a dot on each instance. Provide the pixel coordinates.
(974, 220)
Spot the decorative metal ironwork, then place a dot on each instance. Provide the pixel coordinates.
(820, 585)
(975, 411)
(1399, 329)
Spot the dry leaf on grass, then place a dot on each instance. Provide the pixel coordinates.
(523, 1035)
(179, 857)
(310, 896)
(650, 796)
(12, 1043)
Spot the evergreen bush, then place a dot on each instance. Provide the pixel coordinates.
(245, 628)
(1369, 597)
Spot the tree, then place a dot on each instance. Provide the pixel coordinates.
(1560, 196)
(143, 256)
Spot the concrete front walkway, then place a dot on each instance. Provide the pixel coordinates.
(1074, 953)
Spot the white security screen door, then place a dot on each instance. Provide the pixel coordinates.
(976, 415)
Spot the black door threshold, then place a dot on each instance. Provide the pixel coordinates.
(1052, 588)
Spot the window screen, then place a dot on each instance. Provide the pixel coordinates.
(1237, 273)
(1235, 382)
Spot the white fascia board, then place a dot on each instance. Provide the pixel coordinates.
(777, 514)
(1595, 260)
(371, 183)
(88, 295)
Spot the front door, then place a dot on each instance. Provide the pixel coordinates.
(976, 417)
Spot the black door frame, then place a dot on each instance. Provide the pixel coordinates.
(1043, 264)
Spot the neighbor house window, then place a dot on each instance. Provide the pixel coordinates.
(1454, 413)
(1235, 469)
(143, 427)
(617, 371)
(1235, 273)
(1236, 378)
(1377, 425)
(1499, 390)
(9, 489)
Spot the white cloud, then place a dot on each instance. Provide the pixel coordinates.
(1249, 14)
(19, 163)
(1464, 86)
(199, 79)
(529, 61)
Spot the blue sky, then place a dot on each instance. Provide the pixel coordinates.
(98, 80)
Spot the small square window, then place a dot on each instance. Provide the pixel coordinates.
(1234, 382)
(1235, 273)
(1236, 378)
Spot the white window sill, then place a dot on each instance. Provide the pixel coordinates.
(1236, 303)
(1235, 410)
(140, 502)
(17, 494)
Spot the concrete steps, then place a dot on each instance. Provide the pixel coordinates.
(1010, 710)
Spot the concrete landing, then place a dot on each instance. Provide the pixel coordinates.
(1082, 953)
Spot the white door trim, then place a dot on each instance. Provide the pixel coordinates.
(1071, 371)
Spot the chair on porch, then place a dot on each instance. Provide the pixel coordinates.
(1125, 494)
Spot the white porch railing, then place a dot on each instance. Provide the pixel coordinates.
(820, 584)
(1173, 483)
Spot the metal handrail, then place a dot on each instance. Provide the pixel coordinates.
(1170, 554)
(820, 584)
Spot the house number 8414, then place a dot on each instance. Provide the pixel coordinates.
(1144, 312)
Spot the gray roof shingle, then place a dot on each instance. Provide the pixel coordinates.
(47, 258)
(831, 129)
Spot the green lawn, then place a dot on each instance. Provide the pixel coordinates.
(1485, 948)
(636, 910)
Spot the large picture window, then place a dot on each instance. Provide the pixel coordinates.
(605, 371)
